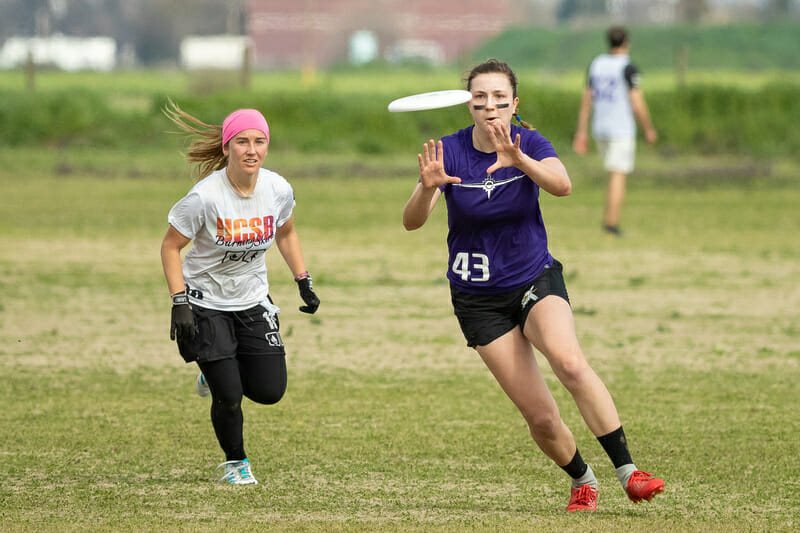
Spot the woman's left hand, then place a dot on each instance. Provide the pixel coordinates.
(308, 295)
(508, 153)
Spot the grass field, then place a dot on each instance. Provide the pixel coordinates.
(390, 423)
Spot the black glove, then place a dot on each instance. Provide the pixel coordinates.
(308, 296)
(183, 326)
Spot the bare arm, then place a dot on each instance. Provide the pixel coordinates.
(171, 248)
(289, 245)
(642, 114)
(419, 206)
(581, 141)
(549, 173)
(432, 176)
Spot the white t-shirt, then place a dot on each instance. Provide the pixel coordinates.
(225, 269)
(611, 77)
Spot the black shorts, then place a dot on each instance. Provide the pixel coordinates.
(228, 334)
(486, 317)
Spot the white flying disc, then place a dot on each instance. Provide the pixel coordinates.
(433, 100)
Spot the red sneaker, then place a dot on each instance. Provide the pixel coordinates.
(584, 498)
(643, 486)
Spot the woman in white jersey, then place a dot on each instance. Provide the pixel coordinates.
(508, 292)
(222, 316)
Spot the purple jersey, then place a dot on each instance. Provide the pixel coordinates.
(497, 239)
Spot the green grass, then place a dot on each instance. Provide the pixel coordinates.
(390, 423)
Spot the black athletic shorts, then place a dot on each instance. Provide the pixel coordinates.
(486, 317)
(227, 334)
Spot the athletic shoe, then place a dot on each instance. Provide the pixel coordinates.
(613, 230)
(584, 498)
(202, 385)
(238, 473)
(643, 486)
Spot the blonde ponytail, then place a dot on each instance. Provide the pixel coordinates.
(205, 151)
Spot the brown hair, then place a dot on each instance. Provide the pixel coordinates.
(617, 36)
(495, 66)
(205, 151)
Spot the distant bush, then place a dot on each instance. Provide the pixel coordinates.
(695, 119)
(772, 46)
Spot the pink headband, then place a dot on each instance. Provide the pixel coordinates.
(243, 119)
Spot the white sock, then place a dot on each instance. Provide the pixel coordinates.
(624, 473)
(586, 479)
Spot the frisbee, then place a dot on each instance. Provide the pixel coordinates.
(432, 100)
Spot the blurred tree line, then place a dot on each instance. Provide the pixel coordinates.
(686, 10)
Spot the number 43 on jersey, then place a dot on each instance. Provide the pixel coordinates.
(471, 267)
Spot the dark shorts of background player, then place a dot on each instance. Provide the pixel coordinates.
(486, 317)
(228, 334)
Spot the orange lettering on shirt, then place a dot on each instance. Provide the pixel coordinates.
(238, 224)
(255, 225)
(224, 229)
(269, 229)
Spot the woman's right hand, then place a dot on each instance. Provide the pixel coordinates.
(431, 166)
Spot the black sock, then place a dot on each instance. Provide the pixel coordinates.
(576, 468)
(616, 446)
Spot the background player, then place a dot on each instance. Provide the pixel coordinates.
(615, 101)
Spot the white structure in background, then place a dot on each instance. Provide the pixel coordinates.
(363, 47)
(416, 51)
(61, 51)
(218, 52)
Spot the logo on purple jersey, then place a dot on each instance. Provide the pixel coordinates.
(488, 184)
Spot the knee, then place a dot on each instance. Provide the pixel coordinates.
(228, 404)
(268, 395)
(573, 372)
(544, 425)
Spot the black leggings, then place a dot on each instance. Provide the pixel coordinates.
(261, 378)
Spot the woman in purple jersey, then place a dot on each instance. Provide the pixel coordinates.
(508, 292)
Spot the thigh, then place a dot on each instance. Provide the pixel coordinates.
(550, 327)
(620, 155)
(549, 282)
(263, 377)
(261, 355)
(223, 377)
(257, 332)
(511, 360)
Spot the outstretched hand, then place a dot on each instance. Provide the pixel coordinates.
(509, 153)
(431, 166)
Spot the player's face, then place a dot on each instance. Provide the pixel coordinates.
(246, 151)
(492, 99)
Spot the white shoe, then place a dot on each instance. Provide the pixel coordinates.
(202, 385)
(238, 473)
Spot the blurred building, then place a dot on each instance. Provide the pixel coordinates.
(60, 51)
(217, 52)
(321, 33)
